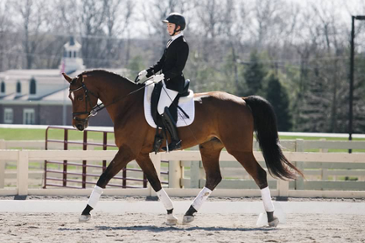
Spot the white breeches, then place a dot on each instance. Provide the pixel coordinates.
(167, 96)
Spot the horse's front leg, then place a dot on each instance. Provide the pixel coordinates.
(148, 168)
(121, 159)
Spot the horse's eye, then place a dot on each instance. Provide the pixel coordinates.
(80, 98)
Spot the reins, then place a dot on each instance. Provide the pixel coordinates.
(101, 106)
(98, 107)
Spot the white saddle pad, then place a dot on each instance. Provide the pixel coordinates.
(186, 103)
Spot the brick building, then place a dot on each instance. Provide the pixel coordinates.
(41, 96)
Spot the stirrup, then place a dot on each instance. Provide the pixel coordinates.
(174, 145)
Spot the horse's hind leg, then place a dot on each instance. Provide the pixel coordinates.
(120, 160)
(210, 152)
(149, 169)
(249, 162)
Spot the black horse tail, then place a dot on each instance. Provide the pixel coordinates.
(267, 136)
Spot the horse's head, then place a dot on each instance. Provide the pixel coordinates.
(83, 101)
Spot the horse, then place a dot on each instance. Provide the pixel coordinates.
(222, 120)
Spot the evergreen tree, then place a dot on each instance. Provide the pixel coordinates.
(278, 97)
(358, 125)
(315, 108)
(253, 74)
(135, 65)
(324, 106)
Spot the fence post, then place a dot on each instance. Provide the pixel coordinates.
(299, 147)
(2, 165)
(283, 188)
(324, 173)
(195, 174)
(175, 174)
(22, 175)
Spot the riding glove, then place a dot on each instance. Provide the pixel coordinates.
(141, 75)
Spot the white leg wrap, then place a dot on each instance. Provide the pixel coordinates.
(202, 196)
(95, 195)
(266, 198)
(165, 199)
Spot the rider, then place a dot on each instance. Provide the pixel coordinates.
(171, 64)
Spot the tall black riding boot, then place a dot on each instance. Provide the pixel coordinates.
(170, 124)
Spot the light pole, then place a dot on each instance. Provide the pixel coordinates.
(358, 17)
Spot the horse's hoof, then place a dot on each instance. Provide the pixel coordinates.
(188, 219)
(171, 220)
(84, 218)
(274, 223)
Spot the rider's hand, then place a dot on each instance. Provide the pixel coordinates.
(158, 78)
(142, 74)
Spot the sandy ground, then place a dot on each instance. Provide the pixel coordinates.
(151, 227)
(134, 227)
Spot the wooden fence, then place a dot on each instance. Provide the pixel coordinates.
(333, 164)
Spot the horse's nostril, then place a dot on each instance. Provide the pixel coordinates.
(80, 127)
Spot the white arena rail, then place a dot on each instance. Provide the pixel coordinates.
(176, 159)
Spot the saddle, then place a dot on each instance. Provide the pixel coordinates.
(155, 97)
(173, 109)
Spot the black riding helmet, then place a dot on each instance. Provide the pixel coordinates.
(177, 19)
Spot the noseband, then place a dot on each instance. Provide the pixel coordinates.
(92, 111)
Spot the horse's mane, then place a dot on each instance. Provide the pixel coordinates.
(102, 72)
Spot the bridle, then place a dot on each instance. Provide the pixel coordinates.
(92, 111)
(98, 107)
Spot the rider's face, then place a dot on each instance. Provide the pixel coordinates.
(171, 28)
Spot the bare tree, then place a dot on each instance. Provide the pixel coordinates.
(326, 43)
(118, 17)
(92, 17)
(211, 18)
(270, 21)
(33, 16)
(155, 13)
(5, 34)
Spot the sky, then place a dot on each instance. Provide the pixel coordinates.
(345, 8)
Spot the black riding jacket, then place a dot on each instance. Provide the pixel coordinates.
(172, 64)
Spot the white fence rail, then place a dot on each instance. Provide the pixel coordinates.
(177, 182)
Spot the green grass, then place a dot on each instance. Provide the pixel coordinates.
(22, 134)
(318, 138)
(40, 134)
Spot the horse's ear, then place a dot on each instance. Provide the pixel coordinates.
(67, 77)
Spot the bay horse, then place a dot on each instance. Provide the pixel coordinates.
(222, 120)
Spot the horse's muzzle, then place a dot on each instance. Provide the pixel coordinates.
(81, 126)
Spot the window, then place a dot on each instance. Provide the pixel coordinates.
(32, 88)
(74, 53)
(2, 89)
(70, 54)
(8, 115)
(28, 116)
(18, 87)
